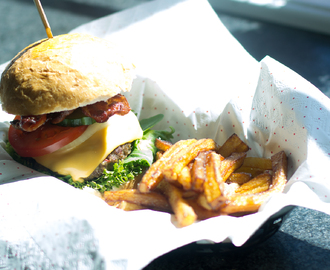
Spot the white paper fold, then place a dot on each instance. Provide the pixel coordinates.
(206, 85)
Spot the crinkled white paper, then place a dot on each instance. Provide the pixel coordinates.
(194, 72)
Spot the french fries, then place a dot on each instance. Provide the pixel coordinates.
(162, 145)
(186, 154)
(250, 170)
(230, 164)
(152, 200)
(213, 181)
(251, 202)
(233, 144)
(127, 206)
(197, 179)
(255, 165)
(258, 184)
(184, 213)
(198, 172)
(239, 178)
(155, 173)
(184, 177)
(259, 163)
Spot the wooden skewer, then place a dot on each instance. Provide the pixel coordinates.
(43, 18)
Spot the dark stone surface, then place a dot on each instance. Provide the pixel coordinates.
(304, 52)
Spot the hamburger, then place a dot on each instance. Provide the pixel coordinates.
(71, 118)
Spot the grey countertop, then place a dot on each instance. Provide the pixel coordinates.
(303, 240)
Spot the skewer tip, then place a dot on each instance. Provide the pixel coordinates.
(49, 32)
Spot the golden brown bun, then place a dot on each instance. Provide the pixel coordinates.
(63, 73)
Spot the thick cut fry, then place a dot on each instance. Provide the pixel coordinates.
(230, 188)
(256, 185)
(126, 206)
(163, 145)
(242, 205)
(152, 200)
(201, 212)
(239, 178)
(154, 175)
(184, 213)
(251, 202)
(213, 181)
(280, 170)
(184, 178)
(256, 162)
(202, 201)
(159, 154)
(198, 172)
(185, 156)
(114, 203)
(253, 171)
(231, 164)
(233, 144)
(189, 194)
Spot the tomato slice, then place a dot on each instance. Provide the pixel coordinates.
(46, 139)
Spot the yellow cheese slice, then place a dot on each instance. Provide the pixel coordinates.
(80, 158)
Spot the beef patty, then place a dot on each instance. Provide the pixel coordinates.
(120, 153)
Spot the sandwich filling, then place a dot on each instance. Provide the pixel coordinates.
(71, 145)
(83, 155)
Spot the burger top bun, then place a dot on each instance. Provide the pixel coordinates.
(63, 73)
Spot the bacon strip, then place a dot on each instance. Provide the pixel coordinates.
(102, 111)
(59, 116)
(30, 123)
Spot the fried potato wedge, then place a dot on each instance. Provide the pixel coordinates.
(280, 171)
(256, 162)
(154, 175)
(163, 145)
(159, 155)
(251, 202)
(198, 172)
(184, 213)
(189, 194)
(239, 178)
(126, 206)
(152, 200)
(184, 178)
(213, 180)
(257, 184)
(202, 212)
(202, 201)
(174, 166)
(255, 166)
(231, 164)
(231, 145)
(250, 170)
